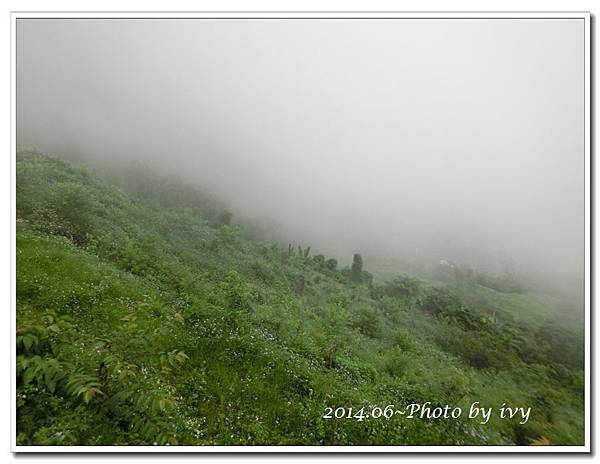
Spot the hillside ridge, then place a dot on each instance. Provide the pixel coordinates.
(145, 316)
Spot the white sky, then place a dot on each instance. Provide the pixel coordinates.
(463, 138)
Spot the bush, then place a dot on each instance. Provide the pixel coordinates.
(367, 320)
(75, 209)
(440, 301)
(396, 362)
(238, 294)
(319, 260)
(401, 287)
(357, 266)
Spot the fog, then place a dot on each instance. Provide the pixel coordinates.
(408, 141)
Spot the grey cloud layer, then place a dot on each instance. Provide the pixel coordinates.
(449, 138)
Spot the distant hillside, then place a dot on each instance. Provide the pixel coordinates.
(147, 318)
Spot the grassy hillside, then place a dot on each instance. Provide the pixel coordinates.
(147, 318)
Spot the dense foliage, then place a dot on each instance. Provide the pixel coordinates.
(147, 318)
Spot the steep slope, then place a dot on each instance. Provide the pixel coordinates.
(146, 318)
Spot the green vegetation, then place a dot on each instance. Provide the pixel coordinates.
(147, 318)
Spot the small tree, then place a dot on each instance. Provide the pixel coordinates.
(225, 217)
(319, 260)
(299, 285)
(74, 207)
(357, 265)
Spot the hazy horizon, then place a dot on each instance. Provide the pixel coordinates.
(404, 140)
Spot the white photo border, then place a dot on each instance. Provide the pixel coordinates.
(273, 15)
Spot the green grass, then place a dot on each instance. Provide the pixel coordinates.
(144, 316)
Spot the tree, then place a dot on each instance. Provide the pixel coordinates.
(357, 265)
(225, 217)
(331, 264)
(75, 208)
(299, 285)
(319, 260)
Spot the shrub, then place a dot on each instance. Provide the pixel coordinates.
(319, 260)
(440, 300)
(357, 266)
(402, 286)
(331, 264)
(75, 209)
(238, 294)
(367, 320)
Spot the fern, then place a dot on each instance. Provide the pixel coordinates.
(172, 359)
(85, 386)
(45, 372)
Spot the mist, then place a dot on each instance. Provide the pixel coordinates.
(408, 141)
